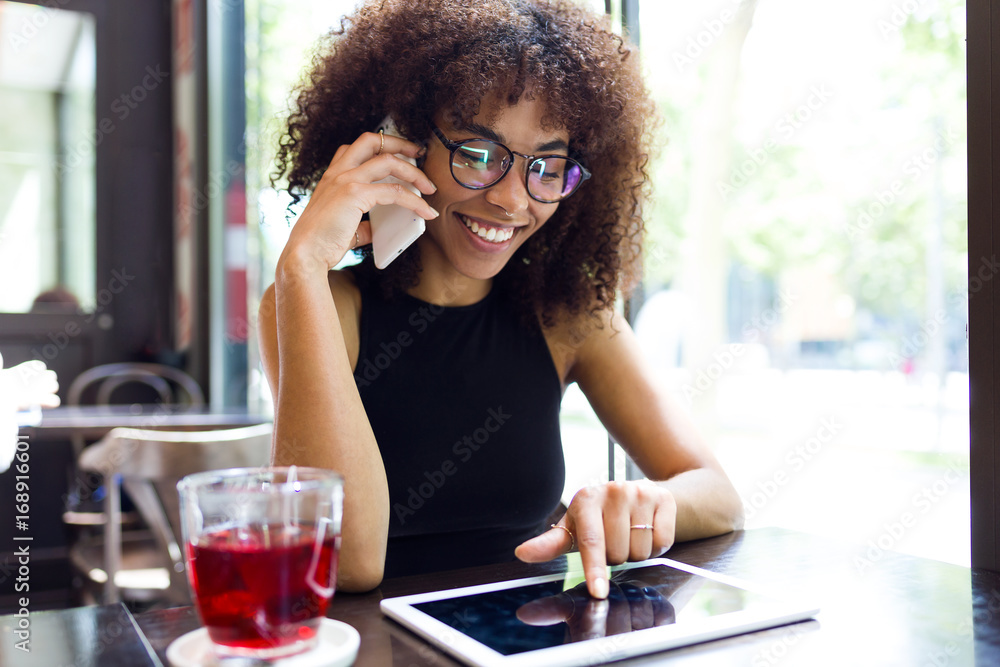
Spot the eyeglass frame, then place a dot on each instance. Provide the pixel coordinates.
(453, 146)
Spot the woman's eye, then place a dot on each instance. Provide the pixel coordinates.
(474, 158)
(547, 171)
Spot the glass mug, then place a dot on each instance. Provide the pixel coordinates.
(261, 549)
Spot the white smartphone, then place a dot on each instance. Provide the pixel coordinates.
(394, 228)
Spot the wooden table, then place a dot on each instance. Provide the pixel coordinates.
(877, 609)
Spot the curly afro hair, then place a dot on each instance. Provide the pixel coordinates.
(415, 59)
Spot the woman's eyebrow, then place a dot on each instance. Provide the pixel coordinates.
(483, 132)
(488, 133)
(554, 145)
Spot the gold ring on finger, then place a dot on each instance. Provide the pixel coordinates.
(572, 540)
(381, 141)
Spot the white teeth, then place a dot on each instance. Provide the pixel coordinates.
(492, 234)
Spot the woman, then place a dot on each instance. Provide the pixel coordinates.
(434, 386)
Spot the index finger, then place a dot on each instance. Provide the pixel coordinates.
(380, 143)
(589, 529)
(371, 144)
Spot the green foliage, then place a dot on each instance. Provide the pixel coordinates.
(279, 45)
(665, 211)
(894, 184)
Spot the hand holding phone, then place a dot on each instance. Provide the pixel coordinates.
(394, 227)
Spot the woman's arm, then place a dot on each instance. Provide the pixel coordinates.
(319, 417)
(692, 496)
(656, 432)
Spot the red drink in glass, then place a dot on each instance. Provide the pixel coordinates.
(263, 588)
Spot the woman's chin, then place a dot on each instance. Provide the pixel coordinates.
(470, 264)
(479, 270)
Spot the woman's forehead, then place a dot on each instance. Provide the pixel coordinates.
(530, 114)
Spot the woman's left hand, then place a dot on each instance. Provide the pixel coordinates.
(609, 524)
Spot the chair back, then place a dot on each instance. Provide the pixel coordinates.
(149, 464)
(162, 455)
(173, 386)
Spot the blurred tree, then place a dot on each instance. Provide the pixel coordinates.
(869, 188)
(887, 209)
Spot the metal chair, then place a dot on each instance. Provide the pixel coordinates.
(98, 386)
(172, 386)
(148, 465)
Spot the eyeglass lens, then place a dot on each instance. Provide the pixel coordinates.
(480, 164)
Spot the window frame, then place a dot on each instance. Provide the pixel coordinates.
(983, 72)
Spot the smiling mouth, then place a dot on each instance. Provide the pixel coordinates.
(486, 232)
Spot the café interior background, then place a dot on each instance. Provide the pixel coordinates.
(805, 277)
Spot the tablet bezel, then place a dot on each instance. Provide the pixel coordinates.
(779, 611)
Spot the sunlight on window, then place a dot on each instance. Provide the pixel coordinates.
(48, 143)
(280, 40)
(806, 266)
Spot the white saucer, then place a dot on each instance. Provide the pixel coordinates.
(337, 647)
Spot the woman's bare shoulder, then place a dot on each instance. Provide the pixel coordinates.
(343, 289)
(569, 333)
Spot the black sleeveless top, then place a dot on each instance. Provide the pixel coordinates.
(464, 403)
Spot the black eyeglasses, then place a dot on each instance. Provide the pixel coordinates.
(478, 164)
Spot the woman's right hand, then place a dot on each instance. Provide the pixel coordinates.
(331, 223)
(320, 419)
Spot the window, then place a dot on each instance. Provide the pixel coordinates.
(47, 141)
(806, 272)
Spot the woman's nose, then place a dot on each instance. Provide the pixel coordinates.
(510, 193)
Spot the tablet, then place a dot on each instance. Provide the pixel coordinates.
(552, 621)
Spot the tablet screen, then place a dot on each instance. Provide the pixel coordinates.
(548, 614)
